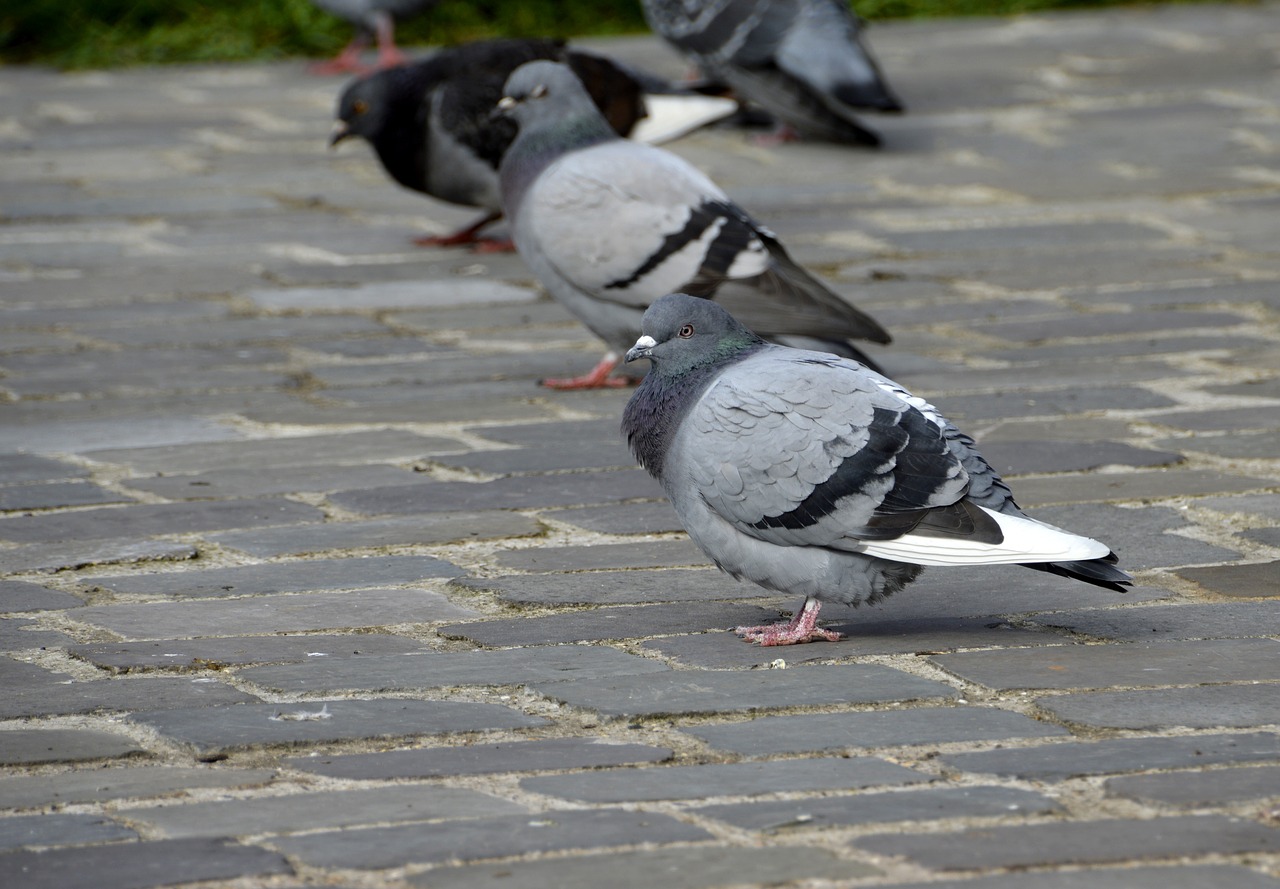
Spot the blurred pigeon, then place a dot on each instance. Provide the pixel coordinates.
(372, 19)
(432, 123)
(609, 225)
(801, 60)
(808, 473)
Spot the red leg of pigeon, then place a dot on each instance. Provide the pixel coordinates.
(803, 628)
(782, 135)
(597, 378)
(346, 62)
(389, 55)
(469, 235)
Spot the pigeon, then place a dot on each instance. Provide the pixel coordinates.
(372, 19)
(609, 225)
(432, 125)
(809, 473)
(803, 61)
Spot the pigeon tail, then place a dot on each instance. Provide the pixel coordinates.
(1099, 572)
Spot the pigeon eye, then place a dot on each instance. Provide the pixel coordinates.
(685, 332)
(359, 106)
(538, 91)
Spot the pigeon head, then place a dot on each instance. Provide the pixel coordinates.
(542, 91)
(681, 332)
(362, 109)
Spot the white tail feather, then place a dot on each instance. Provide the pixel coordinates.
(1025, 540)
(671, 117)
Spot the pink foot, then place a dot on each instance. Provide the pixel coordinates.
(469, 236)
(803, 628)
(781, 136)
(598, 378)
(346, 62)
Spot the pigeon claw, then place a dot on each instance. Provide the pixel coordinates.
(597, 378)
(802, 628)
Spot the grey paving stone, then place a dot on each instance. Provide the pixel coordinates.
(283, 577)
(1266, 505)
(98, 784)
(17, 634)
(1252, 445)
(766, 735)
(72, 554)
(22, 467)
(1023, 458)
(1111, 323)
(50, 432)
(446, 527)
(354, 448)
(969, 409)
(683, 691)
(644, 554)
(1216, 706)
(609, 623)
(616, 587)
(1197, 789)
(731, 779)
(274, 614)
(1151, 485)
(320, 810)
(51, 495)
(393, 295)
(442, 669)
(246, 329)
(691, 867)
(487, 838)
(1246, 581)
(147, 519)
(58, 693)
(529, 435)
(1235, 419)
(1111, 756)
(637, 518)
(1103, 666)
(139, 865)
(214, 654)
(276, 480)
(1096, 842)
(514, 492)
(1268, 536)
(59, 829)
(479, 759)
(1174, 876)
(211, 730)
(17, 595)
(1216, 620)
(929, 804)
(31, 746)
(549, 458)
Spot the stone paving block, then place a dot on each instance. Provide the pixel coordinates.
(726, 649)
(72, 554)
(1235, 419)
(514, 492)
(1251, 505)
(609, 623)
(459, 410)
(282, 577)
(533, 435)
(40, 745)
(1055, 762)
(17, 595)
(17, 634)
(971, 409)
(1250, 445)
(731, 779)
(443, 527)
(1196, 789)
(23, 467)
(274, 614)
(277, 480)
(1216, 620)
(1104, 666)
(1245, 581)
(638, 518)
(551, 754)
(393, 295)
(211, 730)
(1214, 706)
(645, 554)
(353, 448)
(616, 587)
(690, 867)
(932, 804)
(767, 735)
(59, 829)
(320, 810)
(51, 495)
(98, 784)
(1268, 536)
(683, 691)
(214, 654)
(139, 865)
(1174, 876)
(487, 838)
(1023, 458)
(1112, 323)
(147, 519)
(444, 669)
(1150, 485)
(1096, 842)
(246, 329)
(550, 458)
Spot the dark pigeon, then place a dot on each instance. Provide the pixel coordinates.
(810, 474)
(803, 61)
(432, 124)
(373, 19)
(609, 225)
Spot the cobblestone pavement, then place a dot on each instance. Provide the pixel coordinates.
(309, 584)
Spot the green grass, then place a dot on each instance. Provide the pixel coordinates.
(112, 33)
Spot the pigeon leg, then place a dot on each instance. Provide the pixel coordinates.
(597, 378)
(389, 55)
(346, 62)
(468, 235)
(803, 628)
(783, 134)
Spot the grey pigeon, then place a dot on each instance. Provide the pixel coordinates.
(609, 225)
(808, 473)
(803, 61)
(432, 124)
(373, 19)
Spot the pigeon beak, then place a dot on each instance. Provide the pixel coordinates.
(641, 349)
(338, 133)
(503, 108)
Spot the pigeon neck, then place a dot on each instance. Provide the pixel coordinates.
(536, 147)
